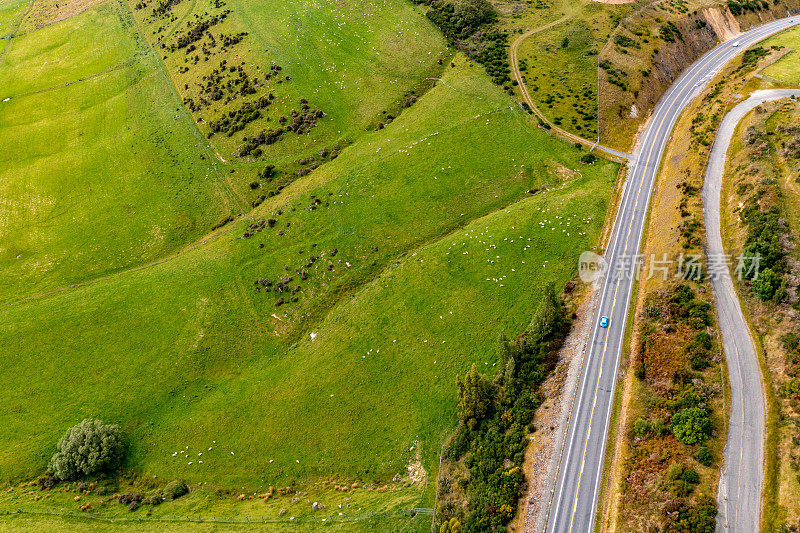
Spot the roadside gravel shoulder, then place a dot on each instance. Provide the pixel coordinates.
(552, 420)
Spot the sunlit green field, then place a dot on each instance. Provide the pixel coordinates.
(96, 175)
(191, 334)
(786, 69)
(11, 12)
(119, 302)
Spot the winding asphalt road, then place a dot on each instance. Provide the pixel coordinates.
(739, 496)
(574, 498)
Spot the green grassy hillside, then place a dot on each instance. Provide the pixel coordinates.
(351, 60)
(95, 175)
(203, 356)
(408, 254)
(11, 13)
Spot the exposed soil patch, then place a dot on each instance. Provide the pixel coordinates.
(46, 12)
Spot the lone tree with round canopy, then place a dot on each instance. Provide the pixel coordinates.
(88, 448)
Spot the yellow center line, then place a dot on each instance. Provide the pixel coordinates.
(614, 299)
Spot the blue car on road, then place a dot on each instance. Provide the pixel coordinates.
(604, 321)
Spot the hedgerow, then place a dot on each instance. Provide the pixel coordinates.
(495, 418)
(467, 25)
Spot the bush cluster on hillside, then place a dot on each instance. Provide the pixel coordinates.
(87, 448)
(172, 491)
(494, 420)
(467, 25)
(768, 234)
(615, 76)
(737, 8)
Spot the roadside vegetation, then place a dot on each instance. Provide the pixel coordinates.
(674, 416)
(673, 413)
(762, 197)
(672, 437)
(482, 476)
(689, 349)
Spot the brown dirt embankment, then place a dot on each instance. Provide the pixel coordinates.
(651, 48)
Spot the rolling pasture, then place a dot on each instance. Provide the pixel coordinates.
(315, 337)
(100, 168)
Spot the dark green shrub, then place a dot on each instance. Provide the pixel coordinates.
(87, 448)
(703, 456)
(459, 444)
(642, 428)
(766, 284)
(690, 475)
(470, 14)
(670, 32)
(701, 518)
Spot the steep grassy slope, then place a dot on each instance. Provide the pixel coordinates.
(100, 174)
(112, 161)
(186, 352)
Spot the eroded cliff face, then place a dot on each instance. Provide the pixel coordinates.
(722, 21)
(650, 50)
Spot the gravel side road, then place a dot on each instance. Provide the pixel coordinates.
(739, 495)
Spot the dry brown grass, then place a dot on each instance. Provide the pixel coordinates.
(45, 12)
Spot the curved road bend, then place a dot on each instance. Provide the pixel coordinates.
(574, 499)
(739, 495)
